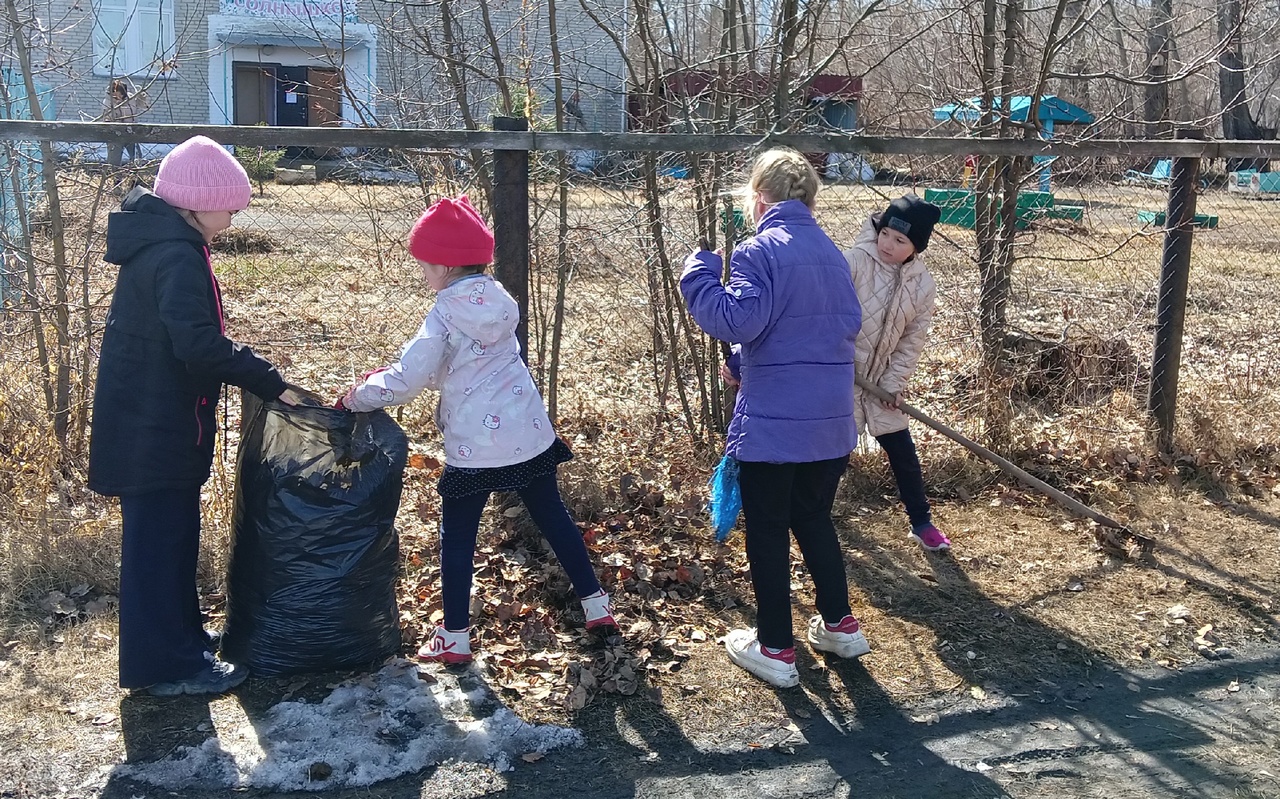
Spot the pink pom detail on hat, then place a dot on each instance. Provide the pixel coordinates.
(452, 233)
(199, 175)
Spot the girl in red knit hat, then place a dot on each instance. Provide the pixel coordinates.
(497, 435)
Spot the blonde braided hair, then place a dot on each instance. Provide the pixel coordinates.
(782, 174)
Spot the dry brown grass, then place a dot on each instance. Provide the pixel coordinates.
(336, 295)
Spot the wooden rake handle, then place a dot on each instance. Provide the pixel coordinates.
(1070, 503)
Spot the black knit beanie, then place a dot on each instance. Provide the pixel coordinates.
(912, 217)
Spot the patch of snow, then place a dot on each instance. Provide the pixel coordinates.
(373, 173)
(367, 730)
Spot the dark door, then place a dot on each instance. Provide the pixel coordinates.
(291, 104)
(291, 97)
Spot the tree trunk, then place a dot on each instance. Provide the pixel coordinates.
(1155, 107)
(1237, 122)
(1077, 87)
(61, 277)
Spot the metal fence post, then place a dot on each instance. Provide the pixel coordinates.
(1175, 270)
(511, 224)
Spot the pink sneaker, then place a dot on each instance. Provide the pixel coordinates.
(931, 538)
(447, 647)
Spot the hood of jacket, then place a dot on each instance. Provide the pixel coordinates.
(145, 219)
(477, 307)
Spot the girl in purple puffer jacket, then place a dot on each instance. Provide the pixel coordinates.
(791, 308)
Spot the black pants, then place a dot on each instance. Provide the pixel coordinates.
(115, 153)
(777, 497)
(905, 464)
(162, 637)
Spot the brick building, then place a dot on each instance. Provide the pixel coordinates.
(321, 62)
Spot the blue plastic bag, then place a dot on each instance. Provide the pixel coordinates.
(725, 500)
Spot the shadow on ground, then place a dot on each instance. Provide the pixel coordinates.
(1056, 718)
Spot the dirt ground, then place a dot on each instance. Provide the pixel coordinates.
(991, 675)
(1028, 662)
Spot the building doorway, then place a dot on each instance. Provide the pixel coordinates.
(287, 96)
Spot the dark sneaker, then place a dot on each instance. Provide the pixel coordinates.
(217, 677)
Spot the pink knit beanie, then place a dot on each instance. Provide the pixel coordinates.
(452, 233)
(199, 175)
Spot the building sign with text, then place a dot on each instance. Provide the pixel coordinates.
(317, 10)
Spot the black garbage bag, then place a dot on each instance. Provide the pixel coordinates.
(314, 550)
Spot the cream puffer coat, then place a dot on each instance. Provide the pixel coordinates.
(897, 308)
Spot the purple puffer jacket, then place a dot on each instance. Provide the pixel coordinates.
(790, 303)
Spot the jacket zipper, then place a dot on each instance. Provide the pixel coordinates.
(200, 402)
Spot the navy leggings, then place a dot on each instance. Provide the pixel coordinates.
(777, 497)
(162, 637)
(905, 464)
(460, 523)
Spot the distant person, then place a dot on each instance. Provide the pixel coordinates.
(121, 106)
(497, 436)
(573, 109)
(898, 295)
(165, 356)
(791, 310)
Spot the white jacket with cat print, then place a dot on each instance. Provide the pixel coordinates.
(490, 411)
(897, 309)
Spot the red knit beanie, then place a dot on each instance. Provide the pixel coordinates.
(451, 233)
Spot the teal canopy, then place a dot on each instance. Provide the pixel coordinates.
(1053, 109)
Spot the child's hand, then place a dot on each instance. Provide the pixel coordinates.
(341, 402)
(705, 246)
(726, 375)
(896, 404)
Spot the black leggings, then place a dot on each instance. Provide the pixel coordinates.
(777, 497)
(905, 464)
(460, 524)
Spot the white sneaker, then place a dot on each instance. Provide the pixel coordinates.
(599, 611)
(447, 647)
(745, 650)
(844, 639)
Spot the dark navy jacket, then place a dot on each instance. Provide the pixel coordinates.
(164, 356)
(791, 304)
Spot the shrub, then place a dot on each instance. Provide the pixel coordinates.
(259, 162)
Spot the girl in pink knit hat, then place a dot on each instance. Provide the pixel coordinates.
(165, 357)
(497, 435)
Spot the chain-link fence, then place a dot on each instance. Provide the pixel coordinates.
(315, 276)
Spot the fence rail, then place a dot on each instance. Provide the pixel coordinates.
(400, 138)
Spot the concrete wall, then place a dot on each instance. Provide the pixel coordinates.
(409, 77)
